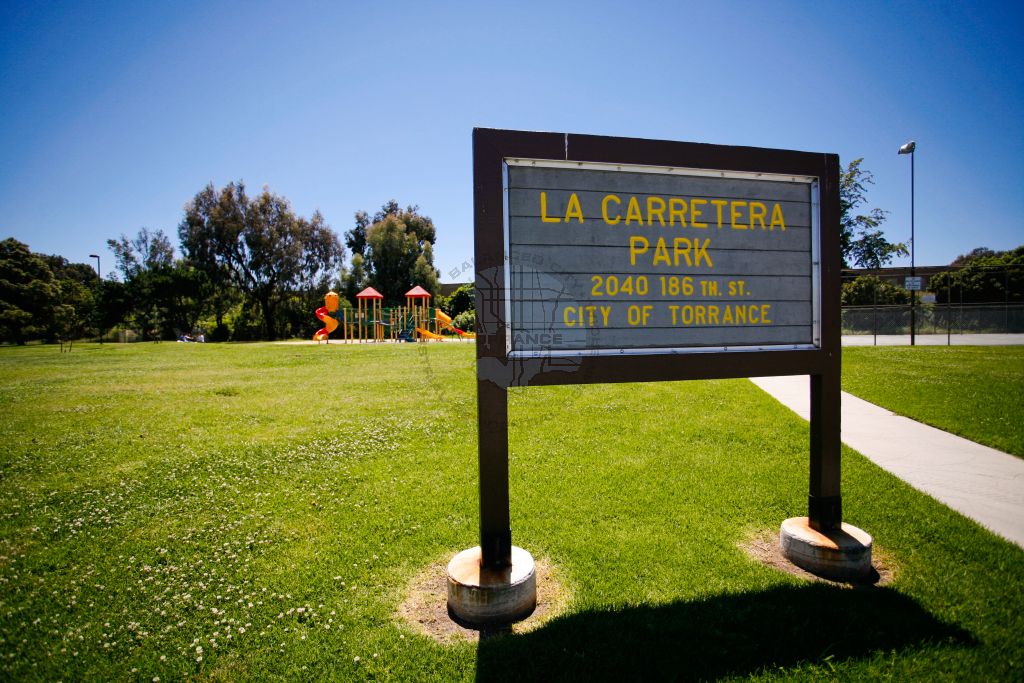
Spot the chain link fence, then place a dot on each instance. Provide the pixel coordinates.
(952, 301)
(935, 319)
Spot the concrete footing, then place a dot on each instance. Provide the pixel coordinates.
(839, 554)
(489, 597)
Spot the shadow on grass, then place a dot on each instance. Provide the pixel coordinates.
(735, 634)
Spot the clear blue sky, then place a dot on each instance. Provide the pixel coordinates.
(115, 114)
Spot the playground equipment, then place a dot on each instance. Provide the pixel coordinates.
(370, 314)
(444, 322)
(331, 301)
(416, 301)
(371, 322)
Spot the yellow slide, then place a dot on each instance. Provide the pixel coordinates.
(446, 321)
(464, 335)
(426, 334)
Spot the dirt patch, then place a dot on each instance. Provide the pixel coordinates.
(425, 607)
(764, 547)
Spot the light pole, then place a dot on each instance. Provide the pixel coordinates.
(909, 149)
(99, 277)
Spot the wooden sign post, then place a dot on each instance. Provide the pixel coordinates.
(623, 260)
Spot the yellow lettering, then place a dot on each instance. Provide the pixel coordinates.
(764, 314)
(637, 245)
(727, 315)
(712, 315)
(544, 210)
(659, 212)
(700, 251)
(605, 311)
(753, 314)
(681, 247)
(573, 210)
(757, 213)
(661, 253)
(777, 218)
(637, 315)
(719, 203)
(677, 208)
(675, 314)
(734, 215)
(695, 213)
(633, 212)
(566, 314)
(741, 314)
(700, 315)
(604, 209)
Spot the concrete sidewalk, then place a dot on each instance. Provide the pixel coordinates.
(977, 481)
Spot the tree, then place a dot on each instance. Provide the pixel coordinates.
(424, 273)
(163, 296)
(114, 304)
(75, 311)
(355, 239)
(465, 321)
(353, 278)
(975, 254)
(392, 253)
(868, 290)
(397, 254)
(861, 240)
(461, 300)
(389, 208)
(28, 291)
(199, 237)
(268, 251)
(147, 251)
(984, 276)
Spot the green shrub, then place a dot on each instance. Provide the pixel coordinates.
(868, 289)
(465, 321)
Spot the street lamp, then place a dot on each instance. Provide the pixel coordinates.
(909, 148)
(99, 276)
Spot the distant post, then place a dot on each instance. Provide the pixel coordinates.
(909, 148)
(99, 293)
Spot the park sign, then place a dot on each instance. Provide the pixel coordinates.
(613, 259)
(616, 258)
(602, 259)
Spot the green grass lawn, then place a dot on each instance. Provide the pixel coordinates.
(249, 512)
(974, 391)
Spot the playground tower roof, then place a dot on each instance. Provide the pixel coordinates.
(418, 292)
(369, 293)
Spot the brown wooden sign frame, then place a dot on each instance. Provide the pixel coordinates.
(496, 371)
